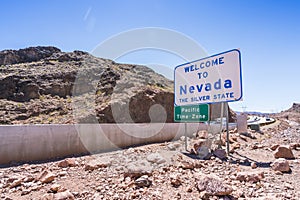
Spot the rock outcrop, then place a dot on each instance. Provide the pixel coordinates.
(46, 85)
(31, 54)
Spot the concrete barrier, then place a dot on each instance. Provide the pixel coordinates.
(25, 143)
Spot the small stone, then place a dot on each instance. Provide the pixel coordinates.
(47, 197)
(232, 138)
(127, 179)
(244, 138)
(257, 146)
(189, 189)
(284, 152)
(142, 181)
(98, 163)
(36, 187)
(25, 192)
(28, 179)
(55, 187)
(66, 195)
(281, 165)
(253, 165)
(184, 162)
(99, 188)
(12, 178)
(234, 146)
(213, 186)
(173, 146)
(68, 162)
(197, 144)
(182, 138)
(274, 147)
(28, 185)
(137, 169)
(294, 145)
(63, 173)
(46, 177)
(17, 183)
(202, 152)
(252, 177)
(288, 196)
(288, 186)
(278, 173)
(175, 180)
(296, 161)
(75, 193)
(156, 158)
(220, 153)
(203, 134)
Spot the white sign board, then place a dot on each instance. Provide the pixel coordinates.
(209, 80)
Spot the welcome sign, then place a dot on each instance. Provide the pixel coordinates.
(214, 79)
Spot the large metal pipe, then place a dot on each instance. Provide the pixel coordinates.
(25, 143)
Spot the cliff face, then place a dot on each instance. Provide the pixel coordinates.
(45, 85)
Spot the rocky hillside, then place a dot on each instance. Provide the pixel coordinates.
(46, 85)
(295, 108)
(293, 113)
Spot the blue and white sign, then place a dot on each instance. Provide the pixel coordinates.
(214, 79)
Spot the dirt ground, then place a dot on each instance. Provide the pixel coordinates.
(166, 171)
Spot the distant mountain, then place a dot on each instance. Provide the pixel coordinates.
(254, 113)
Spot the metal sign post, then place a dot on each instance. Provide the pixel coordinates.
(227, 127)
(221, 125)
(189, 114)
(185, 135)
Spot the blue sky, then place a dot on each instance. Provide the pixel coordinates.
(267, 33)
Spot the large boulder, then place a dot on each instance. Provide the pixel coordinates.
(283, 151)
(281, 165)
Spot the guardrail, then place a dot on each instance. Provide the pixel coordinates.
(25, 143)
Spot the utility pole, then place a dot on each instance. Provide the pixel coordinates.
(244, 108)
